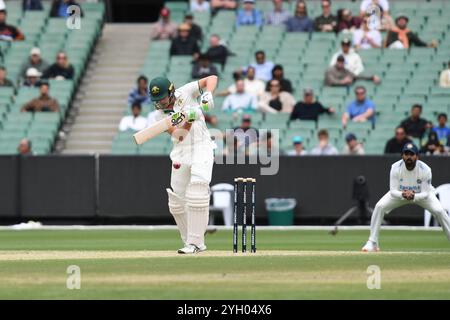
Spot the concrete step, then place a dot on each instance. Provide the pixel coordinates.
(81, 144)
(92, 135)
(86, 151)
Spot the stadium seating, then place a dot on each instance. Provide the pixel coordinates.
(50, 35)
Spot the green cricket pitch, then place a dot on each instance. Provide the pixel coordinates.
(290, 264)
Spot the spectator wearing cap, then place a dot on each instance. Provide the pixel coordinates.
(25, 147)
(217, 51)
(400, 37)
(32, 78)
(414, 125)
(42, 103)
(352, 146)
(442, 130)
(366, 38)
(135, 121)
(59, 8)
(263, 68)
(347, 22)
(164, 28)
(252, 85)
(362, 109)
(278, 74)
(324, 148)
(298, 148)
(300, 22)
(203, 68)
(248, 15)
(140, 93)
(34, 61)
(217, 5)
(309, 109)
(4, 81)
(195, 30)
(278, 16)
(326, 22)
(366, 5)
(199, 6)
(338, 75)
(276, 100)
(241, 100)
(444, 78)
(184, 44)
(61, 69)
(353, 61)
(8, 32)
(31, 5)
(396, 144)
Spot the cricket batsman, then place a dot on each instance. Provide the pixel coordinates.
(410, 182)
(192, 155)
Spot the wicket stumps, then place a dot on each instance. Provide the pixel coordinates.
(242, 186)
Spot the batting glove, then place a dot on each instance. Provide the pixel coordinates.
(207, 102)
(193, 113)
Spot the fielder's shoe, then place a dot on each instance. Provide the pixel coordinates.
(191, 248)
(370, 247)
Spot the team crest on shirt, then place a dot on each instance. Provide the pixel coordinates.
(180, 102)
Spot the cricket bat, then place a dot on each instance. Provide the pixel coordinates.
(159, 127)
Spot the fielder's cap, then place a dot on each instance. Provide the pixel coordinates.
(159, 88)
(350, 136)
(35, 51)
(346, 41)
(411, 147)
(297, 140)
(33, 72)
(165, 12)
(402, 16)
(2, 5)
(184, 27)
(246, 118)
(308, 91)
(341, 58)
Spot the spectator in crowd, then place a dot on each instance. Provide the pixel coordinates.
(276, 100)
(278, 16)
(4, 81)
(135, 121)
(184, 44)
(199, 6)
(267, 145)
(360, 110)
(395, 144)
(346, 22)
(252, 85)
(338, 75)
(353, 61)
(61, 69)
(152, 117)
(300, 22)
(8, 32)
(217, 52)
(326, 22)
(33, 76)
(42, 103)
(240, 100)
(203, 68)
(217, 5)
(366, 5)
(24, 148)
(400, 37)
(433, 145)
(442, 130)
(164, 28)
(59, 8)
(34, 61)
(278, 74)
(245, 136)
(444, 79)
(32, 5)
(298, 148)
(324, 148)
(352, 146)
(263, 68)
(386, 22)
(309, 109)
(140, 93)
(366, 38)
(248, 15)
(414, 125)
(195, 30)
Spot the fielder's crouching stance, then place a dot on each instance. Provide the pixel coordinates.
(410, 182)
(192, 155)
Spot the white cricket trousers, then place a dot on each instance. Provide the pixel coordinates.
(387, 203)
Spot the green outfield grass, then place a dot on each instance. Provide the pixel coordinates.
(289, 265)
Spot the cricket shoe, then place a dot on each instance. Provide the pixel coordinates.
(370, 247)
(191, 249)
